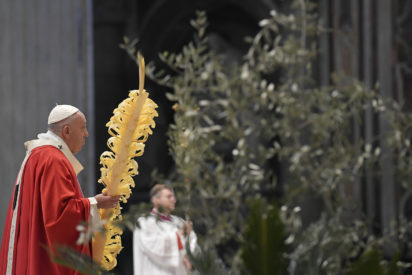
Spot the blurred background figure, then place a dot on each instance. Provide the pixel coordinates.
(160, 239)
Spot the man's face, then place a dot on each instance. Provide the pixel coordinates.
(76, 133)
(165, 201)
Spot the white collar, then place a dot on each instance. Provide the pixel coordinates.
(51, 138)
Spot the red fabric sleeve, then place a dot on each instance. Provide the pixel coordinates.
(6, 236)
(51, 205)
(63, 204)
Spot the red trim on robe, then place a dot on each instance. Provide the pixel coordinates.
(179, 242)
(51, 205)
(161, 216)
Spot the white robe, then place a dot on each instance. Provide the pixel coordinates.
(155, 247)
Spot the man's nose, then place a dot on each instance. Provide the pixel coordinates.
(86, 133)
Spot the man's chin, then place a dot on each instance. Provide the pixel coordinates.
(79, 149)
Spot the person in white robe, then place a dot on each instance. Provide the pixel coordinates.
(159, 242)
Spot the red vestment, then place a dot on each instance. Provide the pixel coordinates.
(50, 206)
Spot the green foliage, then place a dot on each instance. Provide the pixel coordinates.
(370, 264)
(327, 244)
(73, 259)
(263, 124)
(206, 262)
(263, 248)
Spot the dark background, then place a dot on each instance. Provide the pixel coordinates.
(358, 38)
(159, 26)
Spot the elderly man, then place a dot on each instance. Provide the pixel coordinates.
(159, 243)
(47, 203)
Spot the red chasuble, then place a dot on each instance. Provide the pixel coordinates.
(48, 209)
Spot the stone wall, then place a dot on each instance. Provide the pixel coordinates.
(45, 58)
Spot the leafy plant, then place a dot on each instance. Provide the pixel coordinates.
(263, 248)
(370, 263)
(264, 128)
(73, 259)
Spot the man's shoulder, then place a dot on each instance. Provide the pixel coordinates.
(177, 219)
(48, 150)
(48, 154)
(152, 219)
(145, 222)
(146, 218)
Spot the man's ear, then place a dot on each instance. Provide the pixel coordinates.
(154, 200)
(65, 132)
(66, 129)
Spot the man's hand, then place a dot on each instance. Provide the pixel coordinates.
(105, 201)
(187, 263)
(187, 228)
